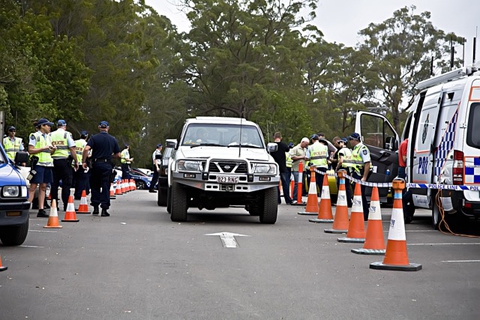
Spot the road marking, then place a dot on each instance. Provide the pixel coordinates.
(445, 244)
(461, 261)
(25, 246)
(228, 238)
(42, 231)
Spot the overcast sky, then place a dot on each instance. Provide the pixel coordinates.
(340, 21)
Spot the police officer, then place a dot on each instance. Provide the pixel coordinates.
(280, 158)
(63, 158)
(104, 147)
(125, 160)
(41, 146)
(318, 154)
(81, 175)
(12, 144)
(361, 164)
(298, 155)
(345, 162)
(157, 162)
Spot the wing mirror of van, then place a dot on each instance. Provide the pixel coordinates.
(21, 157)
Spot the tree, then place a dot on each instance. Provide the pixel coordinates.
(402, 48)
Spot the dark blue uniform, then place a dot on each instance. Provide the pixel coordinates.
(103, 146)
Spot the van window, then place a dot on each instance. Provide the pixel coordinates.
(473, 134)
(378, 133)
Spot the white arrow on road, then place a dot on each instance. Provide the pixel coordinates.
(228, 238)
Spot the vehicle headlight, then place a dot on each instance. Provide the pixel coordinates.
(264, 168)
(188, 165)
(11, 192)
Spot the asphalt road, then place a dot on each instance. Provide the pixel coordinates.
(137, 264)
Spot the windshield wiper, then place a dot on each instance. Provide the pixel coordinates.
(207, 145)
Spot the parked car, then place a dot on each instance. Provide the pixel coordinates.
(168, 152)
(142, 180)
(14, 205)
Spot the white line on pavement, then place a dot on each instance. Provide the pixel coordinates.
(461, 261)
(446, 244)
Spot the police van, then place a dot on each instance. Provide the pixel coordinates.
(443, 154)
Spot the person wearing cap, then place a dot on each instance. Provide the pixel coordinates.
(12, 144)
(344, 155)
(125, 160)
(40, 145)
(360, 166)
(157, 162)
(81, 176)
(318, 155)
(298, 155)
(63, 158)
(280, 158)
(103, 147)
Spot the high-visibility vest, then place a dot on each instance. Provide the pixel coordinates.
(44, 157)
(12, 147)
(318, 155)
(357, 161)
(347, 157)
(288, 159)
(79, 147)
(60, 140)
(124, 155)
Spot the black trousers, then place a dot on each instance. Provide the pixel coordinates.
(364, 196)
(154, 180)
(62, 170)
(100, 184)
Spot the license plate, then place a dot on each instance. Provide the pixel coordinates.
(227, 179)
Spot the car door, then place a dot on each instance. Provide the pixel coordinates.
(382, 140)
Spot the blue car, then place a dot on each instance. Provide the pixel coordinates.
(14, 205)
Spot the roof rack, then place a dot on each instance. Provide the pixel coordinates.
(445, 77)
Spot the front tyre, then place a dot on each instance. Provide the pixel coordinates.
(179, 203)
(14, 236)
(270, 206)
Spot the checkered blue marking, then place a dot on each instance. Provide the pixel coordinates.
(472, 173)
(445, 145)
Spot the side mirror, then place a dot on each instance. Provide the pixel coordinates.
(21, 157)
(272, 147)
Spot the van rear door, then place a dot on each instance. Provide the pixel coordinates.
(382, 140)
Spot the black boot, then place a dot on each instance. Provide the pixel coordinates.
(105, 213)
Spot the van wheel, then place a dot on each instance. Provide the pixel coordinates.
(161, 197)
(14, 236)
(450, 219)
(270, 206)
(179, 203)
(169, 199)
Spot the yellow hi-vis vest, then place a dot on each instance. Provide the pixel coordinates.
(288, 159)
(79, 147)
(318, 155)
(44, 157)
(357, 161)
(347, 158)
(124, 156)
(11, 148)
(59, 139)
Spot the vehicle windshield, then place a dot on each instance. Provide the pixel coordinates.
(222, 135)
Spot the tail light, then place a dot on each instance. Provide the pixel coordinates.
(457, 167)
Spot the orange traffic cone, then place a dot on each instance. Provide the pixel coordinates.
(83, 207)
(122, 185)
(356, 227)
(132, 184)
(374, 240)
(299, 186)
(118, 189)
(292, 185)
(325, 210)
(340, 223)
(53, 216)
(2, 267)
(312, 201)
(70, 214)
(396, 257)
(112, 191)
